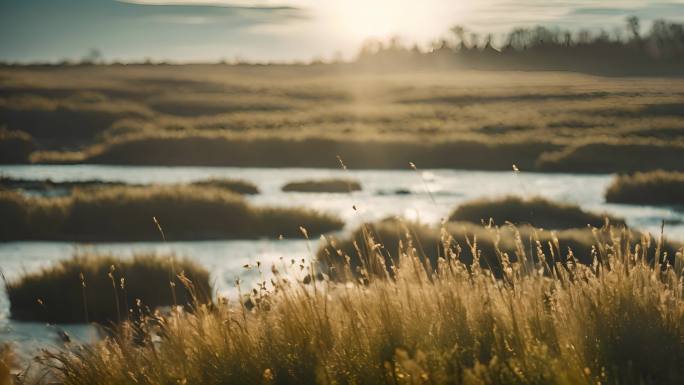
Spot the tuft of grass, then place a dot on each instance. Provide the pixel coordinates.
(15, 146)
(125, 214)
(535, 211)
(617, 321)
(236, 186)
(324, 186)
(102, 288)
(654, 188)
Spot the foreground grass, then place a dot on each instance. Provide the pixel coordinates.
(324, 185)
(617, 321)
(536, 211)
(125, 214)
(101, 288)
(655, 188)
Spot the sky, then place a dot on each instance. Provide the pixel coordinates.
(279, 30)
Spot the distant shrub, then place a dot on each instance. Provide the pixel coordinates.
(15, 146)
(655, 188)
(614, 157)
(101, 288)
(125, 214)
(537, 212)
(236, 186)
(325, 185)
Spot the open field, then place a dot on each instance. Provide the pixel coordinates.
(303, 116)
(618, 321)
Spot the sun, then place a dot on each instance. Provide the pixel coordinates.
(362, 19)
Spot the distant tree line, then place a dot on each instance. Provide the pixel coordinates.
(623, 50)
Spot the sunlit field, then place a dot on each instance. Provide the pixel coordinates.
(304, 116)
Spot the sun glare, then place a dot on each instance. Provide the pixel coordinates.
(359, 19)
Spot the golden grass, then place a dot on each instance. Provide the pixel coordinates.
(391, 235)
(125, 214)
(534, 211)
(654, 188)
(324, 185)
(102, 288)
(617, 321)
(131, 112)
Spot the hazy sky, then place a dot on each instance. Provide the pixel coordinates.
(277, 30)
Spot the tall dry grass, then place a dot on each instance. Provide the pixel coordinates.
(619, 320)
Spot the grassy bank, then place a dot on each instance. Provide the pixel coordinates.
(478, 153)
(125, 214)
(240, 151)
(475, 243)
(536, 212)
(15, 147)
(99, 288)
(652, 188)
(324, 185)
(619, 321)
